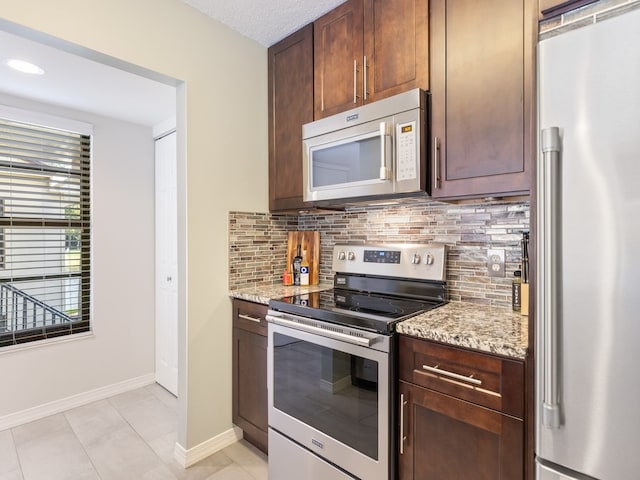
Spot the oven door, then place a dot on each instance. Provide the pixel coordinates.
(332, 398)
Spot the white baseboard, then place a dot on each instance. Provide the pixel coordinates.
(57, 406)
(186, 458)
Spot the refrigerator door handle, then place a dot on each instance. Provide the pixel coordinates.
(548, 248)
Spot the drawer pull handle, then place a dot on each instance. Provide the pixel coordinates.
(249, 317)
(446, 373)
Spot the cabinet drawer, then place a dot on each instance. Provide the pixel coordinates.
(483, 379)
(250, 316)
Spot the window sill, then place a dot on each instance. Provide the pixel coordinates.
(46, 342)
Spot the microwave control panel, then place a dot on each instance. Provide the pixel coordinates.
(406, 151)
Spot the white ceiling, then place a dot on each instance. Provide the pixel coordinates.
(265, 21)
(77, 82)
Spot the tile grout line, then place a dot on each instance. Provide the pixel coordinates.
(242, 466)
(75, 434)
(15, 449)
(162, 462)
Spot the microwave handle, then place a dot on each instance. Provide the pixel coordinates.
(385, 151)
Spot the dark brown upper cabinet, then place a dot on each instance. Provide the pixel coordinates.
(482, 58)
(290, 70)
(365, 50)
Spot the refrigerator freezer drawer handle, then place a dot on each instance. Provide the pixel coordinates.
(457, 376)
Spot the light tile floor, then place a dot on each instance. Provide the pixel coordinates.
(128, 436)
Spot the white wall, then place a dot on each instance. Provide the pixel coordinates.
(123, 272)
(224, 168)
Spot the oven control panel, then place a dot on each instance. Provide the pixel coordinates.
(426, 261)
(381, 256)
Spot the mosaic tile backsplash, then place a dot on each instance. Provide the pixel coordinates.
(258, 241)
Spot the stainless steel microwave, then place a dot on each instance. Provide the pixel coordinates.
(372, 152)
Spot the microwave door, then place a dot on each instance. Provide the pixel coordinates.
(360, 165)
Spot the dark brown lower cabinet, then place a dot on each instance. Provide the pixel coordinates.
(461, 413)
(452, 439)
(250, 371)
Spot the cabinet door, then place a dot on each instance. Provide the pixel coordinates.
(396, 47)
(481, 68)
(250, 385)
(249, 371)
(338, 56)
(448, 438)
(290, 106)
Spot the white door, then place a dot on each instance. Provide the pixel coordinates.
(166, 264)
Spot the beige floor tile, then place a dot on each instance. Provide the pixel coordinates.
(33, 430)
(249, 458)
(150, 417)
(164, 447)
(132, 397)
(94, 420)
(122, 455)
(159, 473)
(13, 475)
(8, 456)
(203, 469)
(48, 449)
(232, 472)
(164, 395)
(128, 436)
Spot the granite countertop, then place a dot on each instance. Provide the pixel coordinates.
(264, 293)
(489, 329)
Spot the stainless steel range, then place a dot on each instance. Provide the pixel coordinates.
(332, 362)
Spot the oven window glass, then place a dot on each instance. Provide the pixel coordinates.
(332, 391)
(347, 163)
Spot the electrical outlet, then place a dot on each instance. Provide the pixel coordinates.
(495, 263)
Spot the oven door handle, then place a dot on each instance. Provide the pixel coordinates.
(365, 342)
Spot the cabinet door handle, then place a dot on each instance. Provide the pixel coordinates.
(436, 161)
(355, 81)
(457, 376)
(403, 437)
(364, 78)
(249, 317)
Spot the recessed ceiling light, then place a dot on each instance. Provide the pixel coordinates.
(24, 67)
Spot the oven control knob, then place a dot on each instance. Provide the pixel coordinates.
(342, 256)
(415, 259)
(351, 256)
(428, 259)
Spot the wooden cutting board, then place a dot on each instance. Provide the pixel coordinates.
(309, 241)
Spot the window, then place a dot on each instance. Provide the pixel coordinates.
(44, 232)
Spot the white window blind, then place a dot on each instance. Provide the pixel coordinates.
(44, 232)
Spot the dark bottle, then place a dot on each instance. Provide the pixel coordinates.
(297, 261)
(516, 291)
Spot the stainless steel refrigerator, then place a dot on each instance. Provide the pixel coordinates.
(588, 268)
